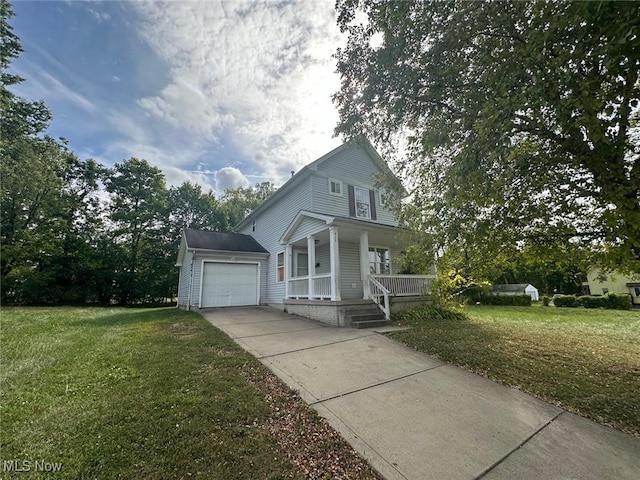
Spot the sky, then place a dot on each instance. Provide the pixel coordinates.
(221, 93)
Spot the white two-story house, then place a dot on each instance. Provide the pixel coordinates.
(325, 246)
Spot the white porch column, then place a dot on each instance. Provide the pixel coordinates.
(287, 268)
(334, 253)
(364, 263)
(311, 257)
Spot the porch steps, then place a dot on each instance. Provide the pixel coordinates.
(365, 317)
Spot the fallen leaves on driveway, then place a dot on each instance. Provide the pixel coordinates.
(305, 438)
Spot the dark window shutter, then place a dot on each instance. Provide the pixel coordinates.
(372, 202)
(352, 201)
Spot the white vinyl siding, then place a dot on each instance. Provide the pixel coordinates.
(273, 221)
(350, 271)
(308, 226)
(323, 259)
(185, 279)
(351, 166)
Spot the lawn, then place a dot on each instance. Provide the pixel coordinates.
(587, 361)
(148, 393)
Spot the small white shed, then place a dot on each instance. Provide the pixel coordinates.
(517, 289)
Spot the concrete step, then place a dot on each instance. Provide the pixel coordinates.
(364, 316)
(367, 319)
(370, 323)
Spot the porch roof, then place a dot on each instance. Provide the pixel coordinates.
(329, 221)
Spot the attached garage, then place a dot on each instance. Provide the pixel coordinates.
(229, 284)
(219, 269)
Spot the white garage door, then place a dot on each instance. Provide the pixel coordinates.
(229, 284)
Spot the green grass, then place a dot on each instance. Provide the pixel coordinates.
(587, 361)
(154, 393)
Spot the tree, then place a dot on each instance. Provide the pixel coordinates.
(190, 207)
(138, 211)
(517, 121)
(30, 187)
(239, 202)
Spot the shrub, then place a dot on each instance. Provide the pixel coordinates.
(522, 300)
(612, 301)
(437, 312)
(590, 301)
(618, 301)
(565, 301)
(545, 301)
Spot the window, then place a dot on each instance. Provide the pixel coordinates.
(379, 261)
(302, 264)
(335, 187)
(253, 226)
(280, 267)
(636, 291)
(363, 202)
(605, 291)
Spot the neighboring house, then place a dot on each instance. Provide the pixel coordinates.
(600, 282)
(517, 289)
(332, 246)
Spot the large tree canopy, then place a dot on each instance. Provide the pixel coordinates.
(515, 122)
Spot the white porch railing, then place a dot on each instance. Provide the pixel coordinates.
(380, 295)
(321, 285)
(406, 285)
(381, 287)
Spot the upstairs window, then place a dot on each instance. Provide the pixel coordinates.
(363, 203)
(335, 187)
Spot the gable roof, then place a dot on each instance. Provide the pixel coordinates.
(511, 287)
(221, 241)
(307, 170)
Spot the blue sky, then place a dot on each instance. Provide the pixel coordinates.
(220, 93)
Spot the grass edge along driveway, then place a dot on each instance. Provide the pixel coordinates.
(586, 361)
(151, 393)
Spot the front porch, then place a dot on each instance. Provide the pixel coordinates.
(349, 313)
(332, 265)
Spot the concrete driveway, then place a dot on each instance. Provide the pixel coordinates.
(414, 417)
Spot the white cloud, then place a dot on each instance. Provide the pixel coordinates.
(176, 177)
(230, 177)
(99, 16)
(259, 72)
(42, 82)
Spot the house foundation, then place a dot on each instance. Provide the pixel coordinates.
(341, 313)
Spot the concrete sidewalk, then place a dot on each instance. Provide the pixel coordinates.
(414, 417)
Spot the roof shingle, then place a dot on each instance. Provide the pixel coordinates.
(231, 242)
